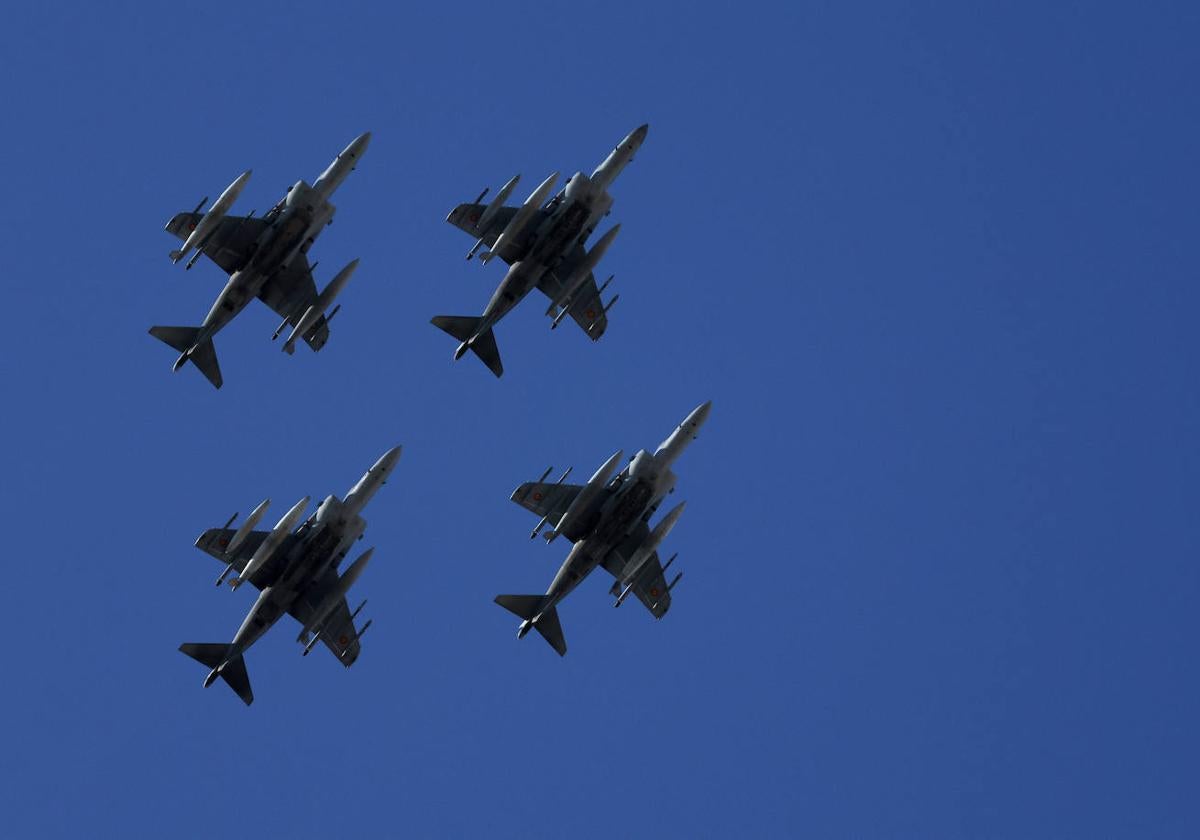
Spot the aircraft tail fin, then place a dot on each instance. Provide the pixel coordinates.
(463, 327)
(233, 672)
(203, 356)
(528, 607)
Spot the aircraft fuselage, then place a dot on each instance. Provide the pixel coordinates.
(631, 497)
(322, 542)
(294, 225)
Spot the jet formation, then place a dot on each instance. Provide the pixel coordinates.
(543, 246)
(608, 522)
(296, 572)
(296, 565)
(264, 258)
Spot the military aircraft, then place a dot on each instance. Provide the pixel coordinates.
(296, 573)
(608, 522)
(265, 258)
(543, 246)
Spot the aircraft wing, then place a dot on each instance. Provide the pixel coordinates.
(548, 500)
(651, 587)
(290, 292)
(229, 245)
(339, 634)
(586, 310)
(214, 541)
(466, 216)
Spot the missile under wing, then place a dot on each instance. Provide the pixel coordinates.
(549, 501)
(650, 582)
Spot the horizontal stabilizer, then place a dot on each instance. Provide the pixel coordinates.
(182, 339)
(522, 606)
(528, 607)
(463, 327)
(485, 348)
(551, 630)
(234, 670)
(203, 356)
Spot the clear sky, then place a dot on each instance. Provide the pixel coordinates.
(935, 266)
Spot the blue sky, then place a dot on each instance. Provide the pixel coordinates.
(934, 266)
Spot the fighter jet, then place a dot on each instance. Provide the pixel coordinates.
(265, 258)
(295, 573)
(543, 246)
(608, 522)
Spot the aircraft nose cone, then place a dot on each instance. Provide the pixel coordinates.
(698, 416)
(638, 135)
(389, 459)
(359, 146)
